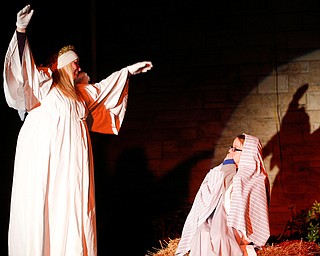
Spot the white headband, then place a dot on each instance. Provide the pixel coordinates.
(66, 58)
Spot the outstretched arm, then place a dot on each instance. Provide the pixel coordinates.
(23, 19)
(107, 99)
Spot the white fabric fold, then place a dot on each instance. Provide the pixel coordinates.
(52, 209)
(247, 209)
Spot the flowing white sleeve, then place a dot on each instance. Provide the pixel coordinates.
(107, 102)
(24, 84)
(204, 204)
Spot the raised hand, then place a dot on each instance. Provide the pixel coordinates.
(24, 17)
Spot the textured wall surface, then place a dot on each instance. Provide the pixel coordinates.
(220, 69)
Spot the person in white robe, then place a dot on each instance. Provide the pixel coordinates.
(230, 213)
(52, 209)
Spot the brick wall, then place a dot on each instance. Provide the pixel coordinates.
(220, 71)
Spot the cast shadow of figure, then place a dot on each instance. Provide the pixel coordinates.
(130, 200)
(139, 210)
(172, 194)
(293, 151)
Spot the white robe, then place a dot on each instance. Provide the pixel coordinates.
(214, 215)
(53, 204)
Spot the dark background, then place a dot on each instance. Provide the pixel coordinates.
(207, 56)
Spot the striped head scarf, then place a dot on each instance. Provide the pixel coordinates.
(249, 211)
(249, 204)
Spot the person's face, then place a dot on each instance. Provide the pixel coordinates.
(235, 150)
(76, 69)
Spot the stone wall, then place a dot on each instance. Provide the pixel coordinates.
(219, 71)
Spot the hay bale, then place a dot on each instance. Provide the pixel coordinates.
(168, 248)
(294, 247)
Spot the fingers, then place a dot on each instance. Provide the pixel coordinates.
(24, 10)
(147, 66)
(24, 17)
(139, 67)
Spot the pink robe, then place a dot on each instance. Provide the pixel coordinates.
(53, 203)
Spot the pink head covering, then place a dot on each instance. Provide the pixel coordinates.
(249, 206)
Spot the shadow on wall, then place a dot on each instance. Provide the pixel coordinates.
(134, 210)
(294, 152)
